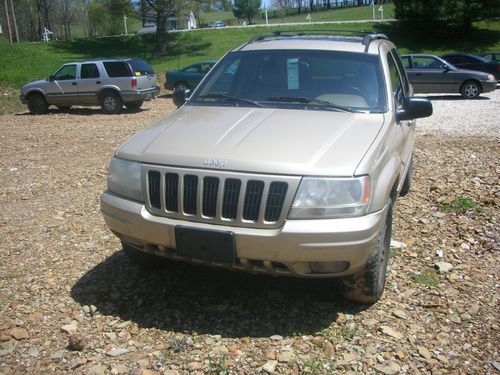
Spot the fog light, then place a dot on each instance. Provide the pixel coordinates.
(328, 267)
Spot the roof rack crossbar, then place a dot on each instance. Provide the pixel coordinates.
(368, 35)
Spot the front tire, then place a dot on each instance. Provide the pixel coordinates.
(470, 90)
(111, 103)
(182, 86)
(367, 285)
(37, 104)
(405, 189)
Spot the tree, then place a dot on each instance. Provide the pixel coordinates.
(456, 14)
(246, 9)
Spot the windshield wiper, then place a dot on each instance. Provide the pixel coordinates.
(299, 99)
(237, 98)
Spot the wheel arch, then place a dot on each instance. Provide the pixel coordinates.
(465, 81)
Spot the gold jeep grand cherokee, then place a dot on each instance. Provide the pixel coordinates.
(287, 160)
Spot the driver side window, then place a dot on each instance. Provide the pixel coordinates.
(65, 73)
(396, 83)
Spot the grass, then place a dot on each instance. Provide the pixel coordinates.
(315, 366)
(218, 366)
(428, 278)
(460, 205)
(24, 62)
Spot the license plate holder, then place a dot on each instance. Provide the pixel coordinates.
(206, 245)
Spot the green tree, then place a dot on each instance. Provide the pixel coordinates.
(246, 9)
(456, 14)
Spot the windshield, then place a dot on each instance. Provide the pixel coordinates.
(305, 79)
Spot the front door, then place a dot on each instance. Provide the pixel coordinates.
(63, 89)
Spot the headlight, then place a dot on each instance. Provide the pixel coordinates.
(491, 77)
(124, 178)
(321, 198)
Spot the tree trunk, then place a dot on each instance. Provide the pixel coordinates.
(161, 33)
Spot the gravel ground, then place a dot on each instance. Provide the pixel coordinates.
(70, 302)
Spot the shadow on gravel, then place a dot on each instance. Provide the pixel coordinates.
(185, 298)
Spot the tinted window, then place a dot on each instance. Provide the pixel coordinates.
(453, 59)
(192, 69)
(406, 62)
(307, 79)
(116, 69)
(140, 67)
(65, 73)
(205, 67)
(89, 71)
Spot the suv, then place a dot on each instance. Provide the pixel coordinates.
(287, 160)
(110, 83)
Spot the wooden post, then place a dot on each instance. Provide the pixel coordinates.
(8, 20)
(14, 19)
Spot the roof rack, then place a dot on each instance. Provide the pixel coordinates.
(368, 35)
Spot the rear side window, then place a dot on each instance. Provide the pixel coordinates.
(89, 71)
(140, 67)
(116, 69)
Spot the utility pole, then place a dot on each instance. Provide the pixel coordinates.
(14, 19)
(124, 23)
(8, 21)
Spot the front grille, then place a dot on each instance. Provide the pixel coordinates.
(219, 197)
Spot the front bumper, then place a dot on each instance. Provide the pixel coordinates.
(283, 251)
(23, 99)
(488, 86)
(130, 96)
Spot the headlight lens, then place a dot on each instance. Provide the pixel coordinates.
(491, 77)
(321, 198)
(124, 178)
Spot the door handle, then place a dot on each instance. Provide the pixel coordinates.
(73, 83)
(98, 82)
(418, 74)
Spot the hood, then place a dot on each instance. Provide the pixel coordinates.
(37, 83)
(261, 140)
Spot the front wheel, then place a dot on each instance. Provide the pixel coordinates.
(134, 106)
(111, 103)
(367, 285)
(182, 86)
(470, 90)
(37, 104)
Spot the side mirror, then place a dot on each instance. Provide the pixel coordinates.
(414, 108)
(52, 78)
(446, 68)
(180, 96)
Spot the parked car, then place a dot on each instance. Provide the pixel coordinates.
(473, 62)
(431, 74)
(287, 159)
(491, 56)
(110, 83)
(189, 77)
(218, 24)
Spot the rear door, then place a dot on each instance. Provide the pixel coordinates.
(64, 86)
(89, 83)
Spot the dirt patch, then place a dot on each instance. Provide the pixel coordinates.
(70, 302)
